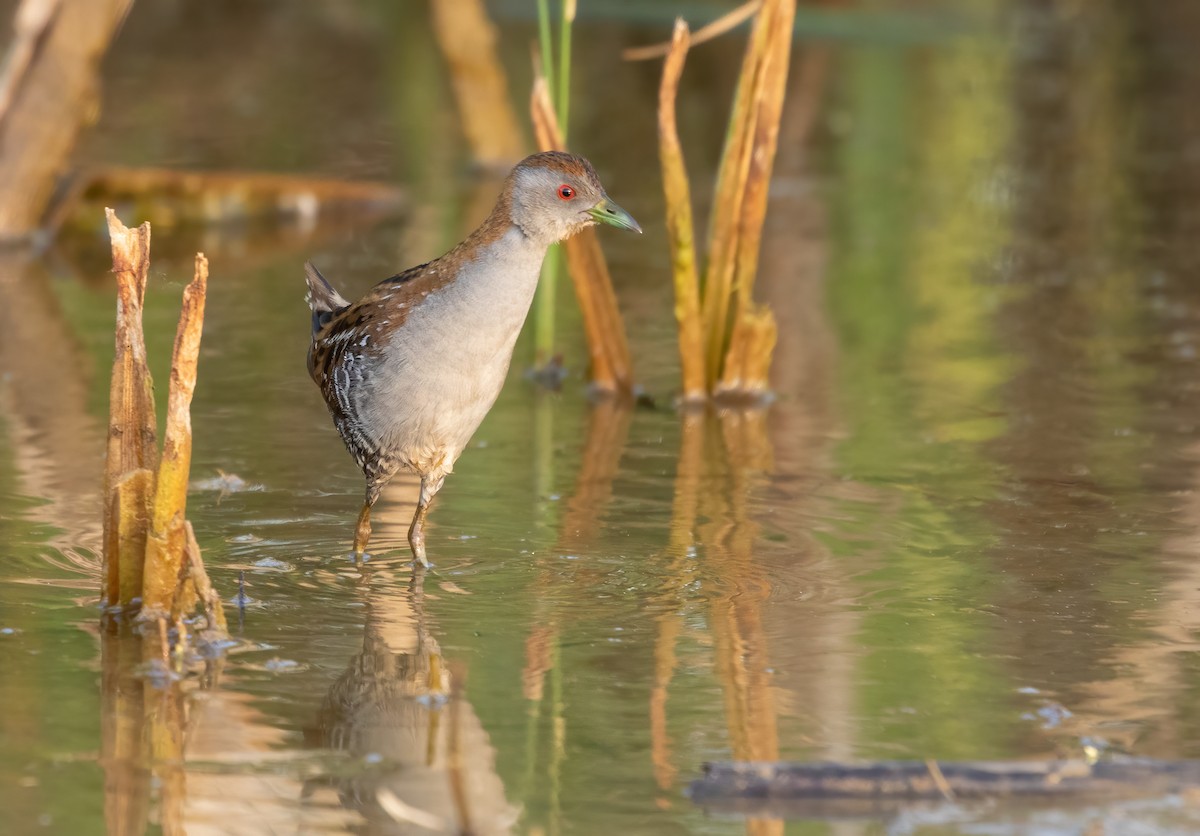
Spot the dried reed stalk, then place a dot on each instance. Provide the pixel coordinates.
(167, 541)
(680, 228)
(727, 205)
(607, 345)
(726, 352)
(467, 39)
(132, 453)
(742, 182)
(748, 361)
(754, 329)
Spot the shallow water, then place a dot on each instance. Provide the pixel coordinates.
(966, 529)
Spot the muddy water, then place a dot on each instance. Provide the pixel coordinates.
(967, 528)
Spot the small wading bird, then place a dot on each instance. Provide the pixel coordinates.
(410, 370)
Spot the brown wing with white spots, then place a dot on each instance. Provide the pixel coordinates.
(346, 347)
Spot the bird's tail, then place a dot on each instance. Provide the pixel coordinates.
(325, 302)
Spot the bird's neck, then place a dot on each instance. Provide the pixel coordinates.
(499, 260)
(502, 223)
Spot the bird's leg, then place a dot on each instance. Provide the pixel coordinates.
(416, 534)
(362, 532)
(430, 485)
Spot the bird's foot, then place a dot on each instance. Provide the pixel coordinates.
(421, 560)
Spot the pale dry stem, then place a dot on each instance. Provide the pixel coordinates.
(132, 432)
(167, 541)
(680, 227)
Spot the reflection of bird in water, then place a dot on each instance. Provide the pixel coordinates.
(426, 759)
(410, 370)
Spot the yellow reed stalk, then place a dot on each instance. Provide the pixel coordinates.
(680, 228)
(132, 452)
(748, 361)
(128, 521)
(755, 324)
(467, 39)
(740, 201)
(722, 227)
(167, 541)
(608, 347)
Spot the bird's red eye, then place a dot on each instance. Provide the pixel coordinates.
(566, 192)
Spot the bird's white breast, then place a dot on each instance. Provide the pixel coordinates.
(443, 369)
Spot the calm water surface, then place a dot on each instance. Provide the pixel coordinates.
(966, 529)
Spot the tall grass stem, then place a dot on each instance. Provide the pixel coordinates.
(564, 67)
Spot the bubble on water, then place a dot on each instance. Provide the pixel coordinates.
(272, 564)
(435, 700)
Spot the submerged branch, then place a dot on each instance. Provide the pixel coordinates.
(778, 788)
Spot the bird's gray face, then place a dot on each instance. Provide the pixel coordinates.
(552, 204)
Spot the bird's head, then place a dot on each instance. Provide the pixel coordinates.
(554, 195)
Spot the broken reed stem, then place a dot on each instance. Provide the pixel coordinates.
(727, 205)
(735, 341)
(748, 360)
(167, 540)
(607, 344)
(680, 227)
(132, 452)
(467, 39)
(754, 329)
(150, 551)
